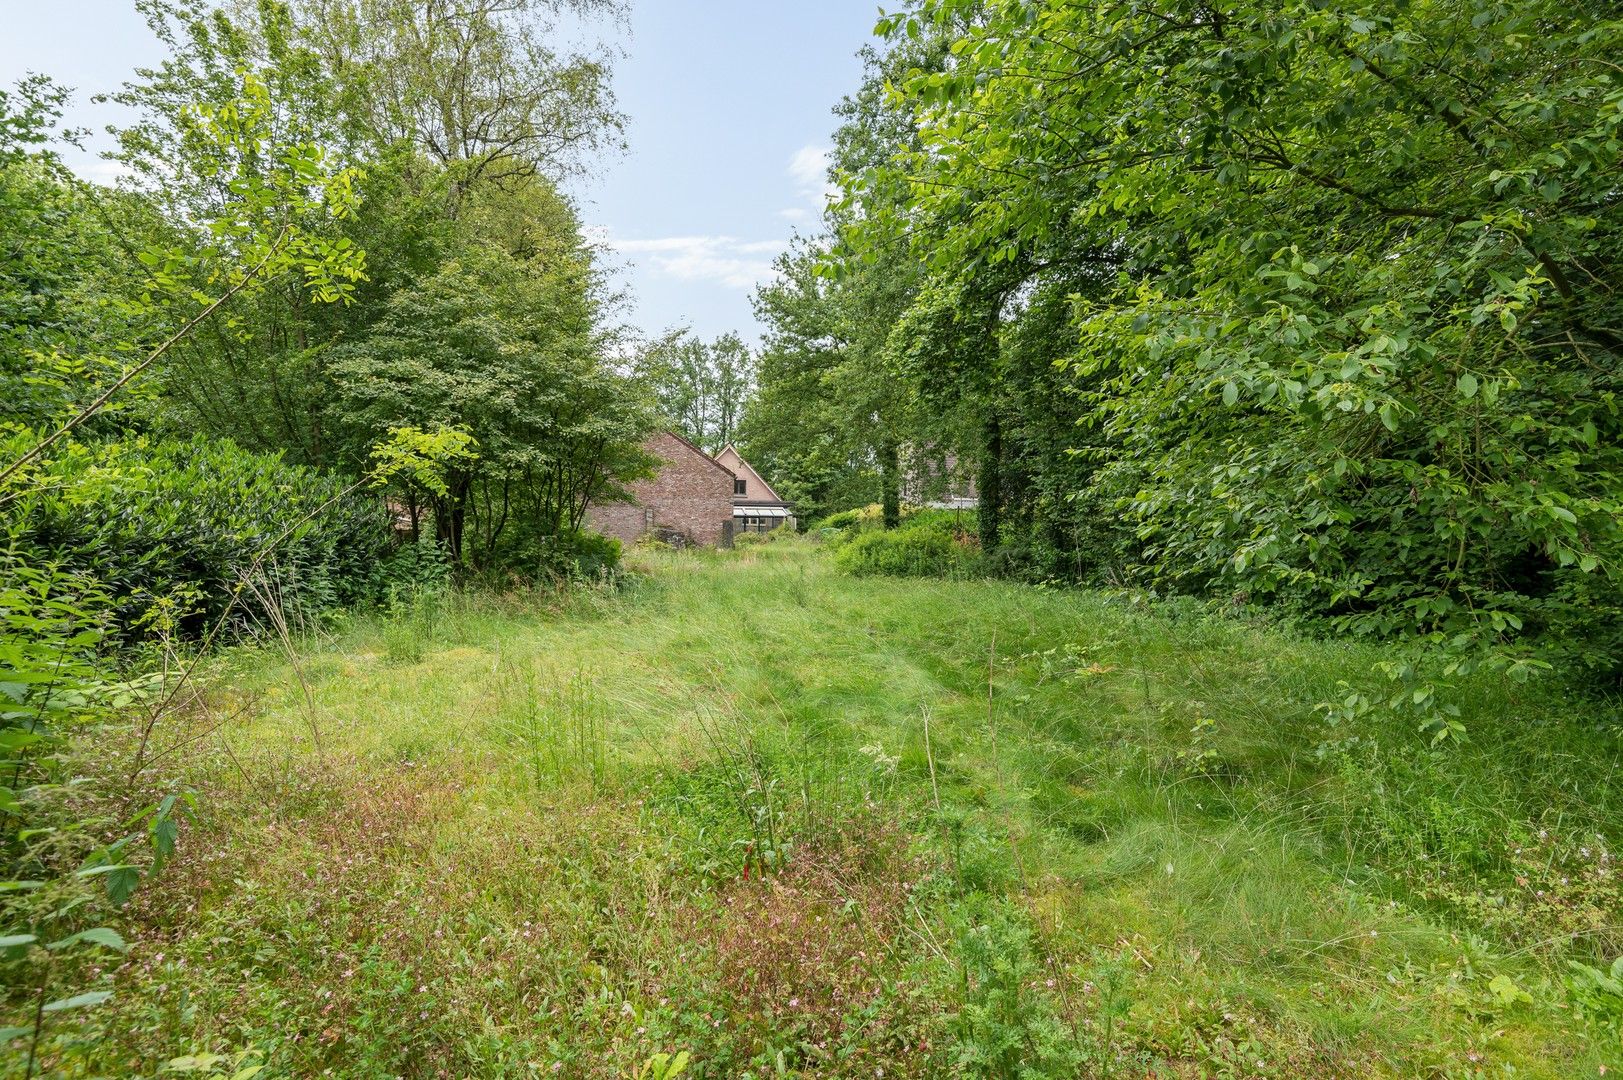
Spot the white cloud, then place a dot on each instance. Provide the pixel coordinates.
(729, 260)
(102, 171)
(808, 168)
(735, 263)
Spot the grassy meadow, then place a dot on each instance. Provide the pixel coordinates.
(795, 823)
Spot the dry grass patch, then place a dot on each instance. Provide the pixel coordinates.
(815, 958)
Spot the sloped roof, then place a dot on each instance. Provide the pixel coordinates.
(704, 455)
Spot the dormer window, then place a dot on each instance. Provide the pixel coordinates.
(739, 484)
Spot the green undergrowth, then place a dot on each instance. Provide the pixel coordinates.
(796, 823)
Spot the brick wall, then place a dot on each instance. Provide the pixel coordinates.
(691, 496)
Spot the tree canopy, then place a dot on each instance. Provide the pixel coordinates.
(1315, 304)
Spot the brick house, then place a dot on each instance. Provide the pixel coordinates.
(694, 499)
(756, 507)
(688, 502)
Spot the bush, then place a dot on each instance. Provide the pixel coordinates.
(526, 555)
(182, 522)
(846, 521)
(585, 556)
(926, 545)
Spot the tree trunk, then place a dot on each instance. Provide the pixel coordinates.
(990, 485)
(451, 518)
(890, 480)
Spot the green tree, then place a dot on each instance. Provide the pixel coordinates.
(1356, 346)
(473, 85)
(68, 317)
(831, 368)
(701, 388)
(503, 344)
(52, 622)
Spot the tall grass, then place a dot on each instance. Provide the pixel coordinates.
(800, 823)
(552, 725)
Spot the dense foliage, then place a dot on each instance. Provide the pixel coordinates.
(931, 543)
(1331, 289)
(337, 296)
(1306, 306)
(481, 308)
(178, 525)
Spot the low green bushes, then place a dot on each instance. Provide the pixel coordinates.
(525, 555)
(188, 523)
(930, 543)
(849, 521)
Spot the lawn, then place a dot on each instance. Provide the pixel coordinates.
(795, 823)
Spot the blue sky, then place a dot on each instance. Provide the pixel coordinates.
(730, 113)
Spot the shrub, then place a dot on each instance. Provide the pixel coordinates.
(759, 539)
(849, 523)
(526, 554)
(183, 521)
(927, 545)
(585, 556)
(846, 521)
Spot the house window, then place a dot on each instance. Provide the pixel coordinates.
(739, 484)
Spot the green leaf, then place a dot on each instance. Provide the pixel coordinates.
(12, 940)
(78, 1001)
(98, 935)
(1231, 393)
(1506, 992)
(104, 868)
(121, 884)
(1467, 384)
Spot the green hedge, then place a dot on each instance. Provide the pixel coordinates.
(156, 519)
(525, 555)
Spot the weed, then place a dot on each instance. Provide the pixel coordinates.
(553, 726)
(1005, 1024)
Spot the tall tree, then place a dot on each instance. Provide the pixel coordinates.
(502, 343)
(701, 388)
(1354, 340)
(474, 85)
(830, 358)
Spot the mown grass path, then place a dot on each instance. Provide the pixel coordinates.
(802, 824)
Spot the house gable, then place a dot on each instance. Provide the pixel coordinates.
(756, 489)
(676, 444)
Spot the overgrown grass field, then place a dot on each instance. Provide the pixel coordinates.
(796, 823)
